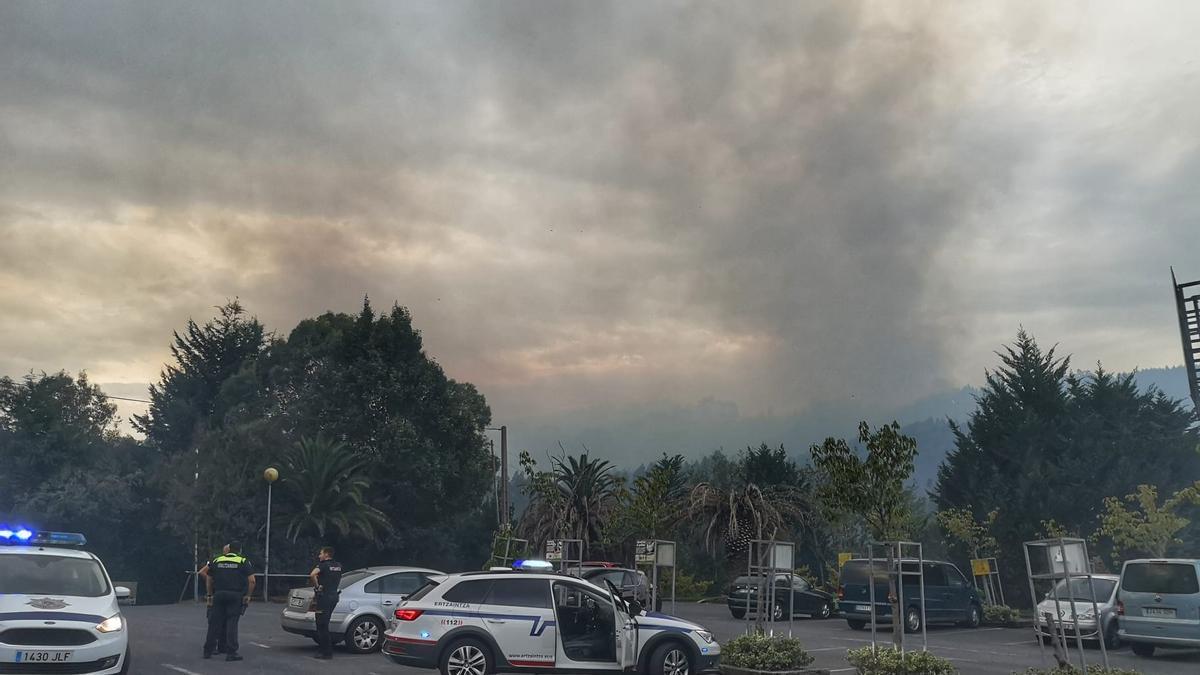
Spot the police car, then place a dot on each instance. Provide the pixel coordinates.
(531, 619)
(58, 607)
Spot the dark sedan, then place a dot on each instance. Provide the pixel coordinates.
(793, 595)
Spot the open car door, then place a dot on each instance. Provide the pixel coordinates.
(627, 630)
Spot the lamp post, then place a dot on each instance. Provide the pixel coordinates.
(270, 475)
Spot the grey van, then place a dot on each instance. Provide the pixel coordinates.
(1158, 604)
(949, 597)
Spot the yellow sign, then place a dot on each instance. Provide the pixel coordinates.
(980, 567)
(843, 558)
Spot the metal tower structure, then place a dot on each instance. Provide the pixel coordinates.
(1189, 331)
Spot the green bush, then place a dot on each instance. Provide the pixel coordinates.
(1000, 614)
(888, 661)
(1072, 670)
(687, 587)
(759, 651)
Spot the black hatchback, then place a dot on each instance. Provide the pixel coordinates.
(793, 595)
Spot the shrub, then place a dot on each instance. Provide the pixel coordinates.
(759, 651)
(1072, 670)
(888, 661)
(687, 587)
(1001, 614)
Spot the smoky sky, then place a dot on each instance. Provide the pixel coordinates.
(587, 205)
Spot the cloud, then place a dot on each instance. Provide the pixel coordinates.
(774, 204)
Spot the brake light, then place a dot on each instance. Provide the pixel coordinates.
(1120, 608)
(841, 592)
(409, 614)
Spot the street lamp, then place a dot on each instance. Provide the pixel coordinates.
(270, 475)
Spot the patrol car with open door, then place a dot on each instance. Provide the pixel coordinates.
(531, 619)
(58, 607)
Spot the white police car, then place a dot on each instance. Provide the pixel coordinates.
(58, 608)
(532, 619)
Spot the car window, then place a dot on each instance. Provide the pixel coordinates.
(800, 584)
(573, 595)
(617, 577)
(953, 576)
(401, 584)
(520, 593)
(935, 575)
(424, 590)
(354, 577)
(470, 592)
(52, 575)
(631, 579)
(1081, 589)
(1160, 577)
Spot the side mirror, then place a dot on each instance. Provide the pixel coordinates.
(635, 607)
(122, 592)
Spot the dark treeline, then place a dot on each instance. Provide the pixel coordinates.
(385, 457)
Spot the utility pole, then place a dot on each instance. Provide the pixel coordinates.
(504, 474)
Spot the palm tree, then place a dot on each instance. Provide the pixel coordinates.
(326, 481)
(572, 500)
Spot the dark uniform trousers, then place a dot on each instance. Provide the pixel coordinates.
(325, 603)
(223, 621)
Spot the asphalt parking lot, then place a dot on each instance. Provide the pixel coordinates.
(168, 639)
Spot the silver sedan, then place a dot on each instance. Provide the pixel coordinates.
(368, 597)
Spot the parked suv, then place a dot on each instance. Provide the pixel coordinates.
(1078, 598)
(793, 595)
(632, 584)
(1159, 604)
(501, 621)
(368, 598)
(949, 597)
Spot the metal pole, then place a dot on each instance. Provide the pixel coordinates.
(1096, 613)
(871, 588)
(1037, 631)
(1062, 546)
(504, 473)
(898, 627)
(921, 569)
(673, 611)
(267, 555)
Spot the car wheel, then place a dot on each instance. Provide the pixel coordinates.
(1142, 649)
(912, 620)
(738, 613)
(466, 657)
(778, 613)
(1112, 639)
(364, 635)
(671, 658)
(974, 617)
(856, 624)
(825, 612)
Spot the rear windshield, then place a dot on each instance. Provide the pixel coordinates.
(52, 575)
(1160, 577)
(352, 577)
(856, 571)
(424, 590)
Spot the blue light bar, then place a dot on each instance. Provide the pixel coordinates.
(533, 565)
(6, 533)
(24, 535)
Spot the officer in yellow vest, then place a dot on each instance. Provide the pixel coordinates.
(230, 582)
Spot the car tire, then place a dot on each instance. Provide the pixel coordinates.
(974, 616)
(365, 635)
(825, 611)
(778, 612)
(1142, 649)
(912, 619)
(856, 624)
(466, 657)
(738, 613)
(671, 658)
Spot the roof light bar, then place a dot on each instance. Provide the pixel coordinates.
(24, 535)
(533, 565)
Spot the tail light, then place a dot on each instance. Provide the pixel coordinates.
(408, 614)
(841, 592)
(1120, 608)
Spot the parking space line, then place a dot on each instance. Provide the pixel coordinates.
(259, 644)
(177, 669)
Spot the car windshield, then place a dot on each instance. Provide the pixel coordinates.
(1079, 590)
(352, 577)
(51, 575)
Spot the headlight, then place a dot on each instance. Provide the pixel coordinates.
(706, 636)
(111, 625)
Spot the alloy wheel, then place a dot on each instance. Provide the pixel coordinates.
(366, 635)
(676, 663)
(467, 660)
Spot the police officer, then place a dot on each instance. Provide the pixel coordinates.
(204, 575)
(230, 582)
(325, 578)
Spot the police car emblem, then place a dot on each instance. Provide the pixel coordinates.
(46, 603)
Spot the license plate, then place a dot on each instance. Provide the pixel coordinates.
(862, 608)
(298, 602)
(43, 657)
(1160, 612)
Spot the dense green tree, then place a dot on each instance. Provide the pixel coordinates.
(765, 466)
(874, 487)
(574, 500)
(1041, 438)
(323, 493)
